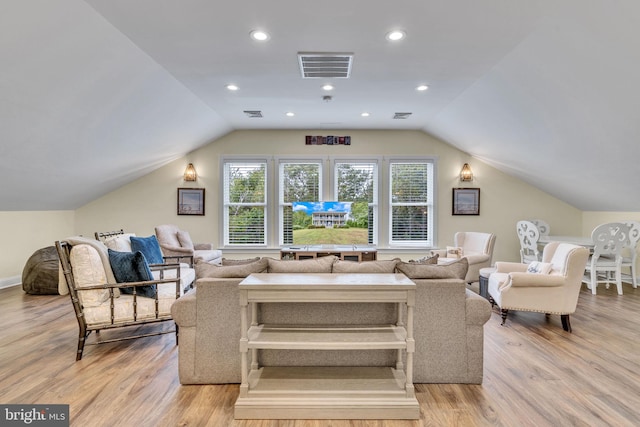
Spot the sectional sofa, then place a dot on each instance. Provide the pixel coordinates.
(448, 322)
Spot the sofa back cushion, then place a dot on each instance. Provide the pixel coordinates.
(318, 265)
(205, 269)
(366, 267)
(454, 270)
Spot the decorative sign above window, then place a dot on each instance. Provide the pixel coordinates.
(327, 140)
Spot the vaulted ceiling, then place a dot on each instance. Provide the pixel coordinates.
(96, 93)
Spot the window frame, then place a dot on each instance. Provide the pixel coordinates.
(226, 203)
(382, 231)
(430, 204)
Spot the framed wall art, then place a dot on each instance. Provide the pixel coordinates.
(190, 201)
(466, 201)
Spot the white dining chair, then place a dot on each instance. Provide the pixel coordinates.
(630, 253)
(543, 226)
(528, 234)
(605, 264)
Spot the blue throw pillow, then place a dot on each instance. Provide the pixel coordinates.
(132, 267)
(149, 246)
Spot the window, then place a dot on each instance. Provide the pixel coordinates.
(245, 203)
(411, 202)
(298, 182)
(253, 215)
(357, 182)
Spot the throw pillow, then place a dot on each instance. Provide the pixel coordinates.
(319, 265)
(88, 271)
(366, 267)
(227, 261)
(433, 259)
(132, 267)
(119, 242)
(185, 239)
(149, 246)
(455, 270)
(538, 267)
(205, 269)
(454, 252)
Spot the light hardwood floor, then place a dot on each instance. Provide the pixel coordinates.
(535, 373)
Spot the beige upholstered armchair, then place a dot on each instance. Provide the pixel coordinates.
(551, 286)
(177, 243)
(476, 247)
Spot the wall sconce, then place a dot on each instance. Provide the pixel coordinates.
(465, 174)
(190, 173)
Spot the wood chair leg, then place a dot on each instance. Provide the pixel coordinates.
(504, 312)
(566, 322)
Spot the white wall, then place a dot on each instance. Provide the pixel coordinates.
(151, 200)
(25, 232)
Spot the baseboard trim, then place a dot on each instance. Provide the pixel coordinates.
(8, 282)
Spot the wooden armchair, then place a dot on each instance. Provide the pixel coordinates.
(99, 300)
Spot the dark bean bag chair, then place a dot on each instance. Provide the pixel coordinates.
(40, 273)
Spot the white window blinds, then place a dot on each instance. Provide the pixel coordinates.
(245, 203)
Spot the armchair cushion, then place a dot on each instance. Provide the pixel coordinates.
(88, 271)
(455, 270)
(132, 267)
(185, 239)
(149, 247)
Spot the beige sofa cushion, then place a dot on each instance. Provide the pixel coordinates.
(318, 265)
(366, 267)
(205, 269)
(454, 270)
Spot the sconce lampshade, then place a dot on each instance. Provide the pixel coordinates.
(190, 173)
(465, 174)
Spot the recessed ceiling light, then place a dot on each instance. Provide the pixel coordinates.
(396, 35)
(259, 35)
(365, 114)
(232, 87)
(327, 87)
(422, 88)
(289, 114)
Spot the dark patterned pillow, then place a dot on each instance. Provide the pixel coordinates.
(132, 267)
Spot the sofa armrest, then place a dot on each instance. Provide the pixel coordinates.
(477, 309)
(203, 246)
(534, 280)
(183, 310)
(509, 267)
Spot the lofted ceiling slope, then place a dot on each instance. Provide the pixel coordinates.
(96, 93)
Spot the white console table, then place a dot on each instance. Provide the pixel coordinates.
(338, 392)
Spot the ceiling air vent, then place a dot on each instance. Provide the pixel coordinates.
(401, 116)
(325, 65)
(254, 114)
